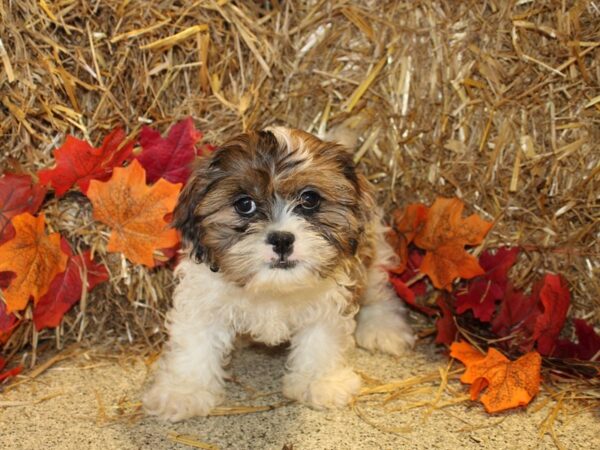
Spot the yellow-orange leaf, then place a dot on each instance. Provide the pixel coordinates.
(35, 257)
(135, 212)
(509, 383)
(444, 237)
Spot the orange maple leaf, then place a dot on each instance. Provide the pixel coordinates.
(509, 383)
(135, 212)
(444, 237)
(405, 226)
(35, 257)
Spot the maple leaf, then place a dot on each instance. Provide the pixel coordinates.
(417, 289)
(8, 323)
(169, 158)
(135, 212)
(587, 347)
(405, 226)
(8, 373)
(481, 293)
(35, 258)
(555, 298)
(77, 162)
(509, 383)
(446, 328)
(67, 287)
(18, 194)
(444, 236)
(516, 316)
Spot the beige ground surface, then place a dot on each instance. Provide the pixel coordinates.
(89, 402)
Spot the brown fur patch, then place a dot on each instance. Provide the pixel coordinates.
(258, 165)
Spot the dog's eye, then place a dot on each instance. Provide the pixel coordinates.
(310, 200)
(245, 206)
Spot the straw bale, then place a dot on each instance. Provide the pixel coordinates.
(496, 102)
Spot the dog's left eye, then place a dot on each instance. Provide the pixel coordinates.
(245, 206)
(310, 200)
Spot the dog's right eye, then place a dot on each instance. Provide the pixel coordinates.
(245, 206)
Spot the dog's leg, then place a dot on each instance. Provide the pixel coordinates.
(381, 323)
(317, 373)
(189, 375)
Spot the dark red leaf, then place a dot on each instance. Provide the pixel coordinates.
(9, 373)
(77, 162)
(402, 290)
(587, 348)
(415, 258)
(164, 255)
(410, 294)
(66, 289)
(446, 328)
(481, 293)
(18, 194)
(8, 323)
(555, 299)
(169, 158)
(516, 315)
(6, 278)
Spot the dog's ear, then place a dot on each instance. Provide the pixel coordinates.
(185, 218)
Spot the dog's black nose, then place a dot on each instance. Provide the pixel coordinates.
(282, 242)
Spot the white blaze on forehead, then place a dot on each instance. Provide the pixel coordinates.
(281, 211)
(290, 141)
(283, 136)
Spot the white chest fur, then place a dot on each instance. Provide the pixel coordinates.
(267, 316)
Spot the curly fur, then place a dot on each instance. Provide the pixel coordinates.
(337, 288)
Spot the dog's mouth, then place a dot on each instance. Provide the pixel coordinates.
(282, 263)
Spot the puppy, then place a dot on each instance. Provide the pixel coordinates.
(285, 244)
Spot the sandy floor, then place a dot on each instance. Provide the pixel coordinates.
(90, 402)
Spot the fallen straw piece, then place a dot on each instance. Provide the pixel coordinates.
(170, 41)
(186, 439)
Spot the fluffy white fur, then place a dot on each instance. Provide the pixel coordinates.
(381, 324)
(316, 314)
(208, 312)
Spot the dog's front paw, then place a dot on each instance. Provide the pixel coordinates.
(174, 403)
(387, 333)
(334, 390)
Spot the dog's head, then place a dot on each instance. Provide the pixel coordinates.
(275, 210)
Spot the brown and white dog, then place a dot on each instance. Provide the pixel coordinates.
(285, 244)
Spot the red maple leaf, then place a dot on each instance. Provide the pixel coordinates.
(555, 299)
(587, 348)
(8, 373)
(67, 287)
(169, 158)
(8, 323)
(417, 289)
(77, 162)
(446, 328)
(516, 315)
(6, 278)
(481, 293)
(18, 194)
